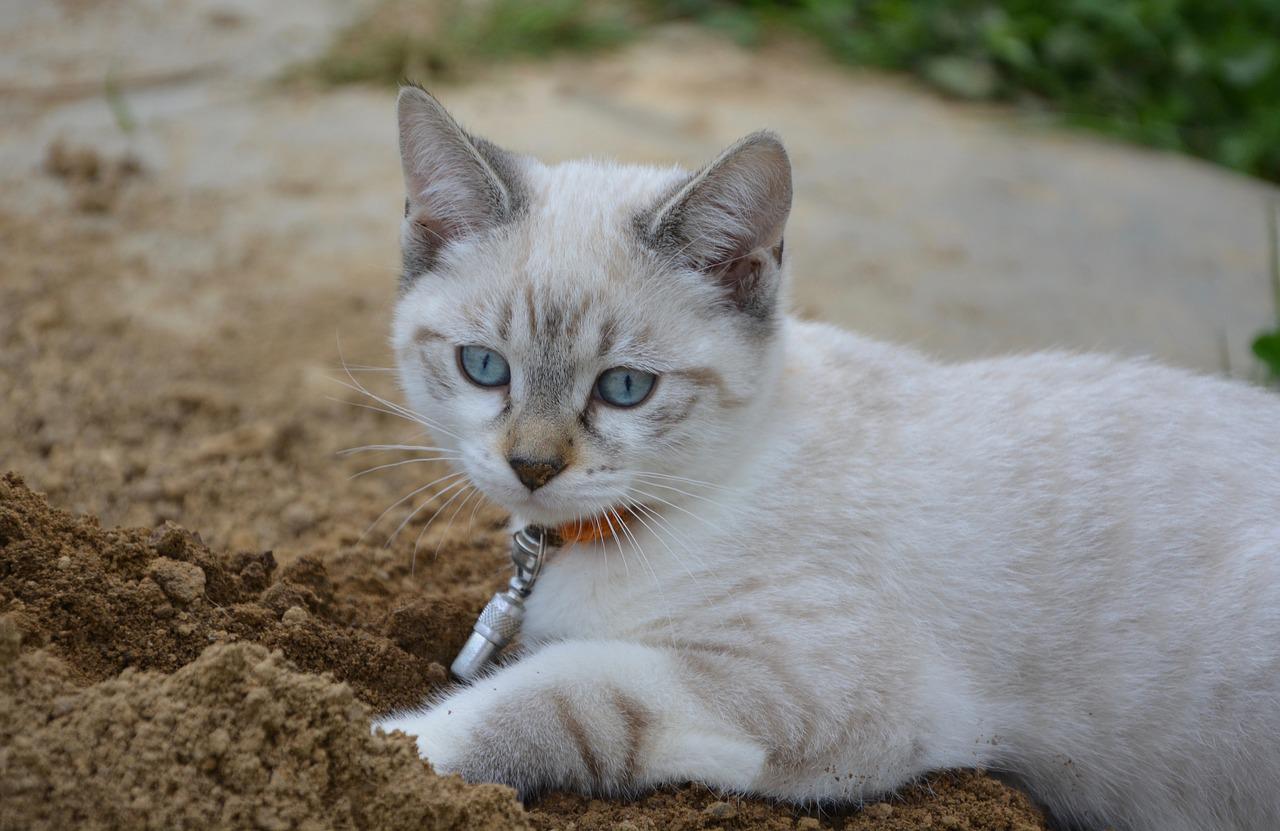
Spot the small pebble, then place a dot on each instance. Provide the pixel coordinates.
(295, 615)
(881, 810)
(720, 810)
(182, 582)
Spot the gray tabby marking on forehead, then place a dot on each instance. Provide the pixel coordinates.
(505, 316)
(608, 336)
(457, 184)
(555, 323)
(531, 309)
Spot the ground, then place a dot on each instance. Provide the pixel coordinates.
(189, 247)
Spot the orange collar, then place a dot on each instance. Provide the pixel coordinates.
(597, 529)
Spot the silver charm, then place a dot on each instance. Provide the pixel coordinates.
(500, 621)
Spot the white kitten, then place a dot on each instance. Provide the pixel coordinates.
(836, 564)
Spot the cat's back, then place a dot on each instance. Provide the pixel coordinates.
(1083, 423)
(1064, 462)
(1131, 430)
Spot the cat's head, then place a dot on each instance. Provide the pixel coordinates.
(580, 333)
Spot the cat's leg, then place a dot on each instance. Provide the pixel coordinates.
(599, 716)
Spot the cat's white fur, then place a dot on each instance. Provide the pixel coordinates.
(1064, 567)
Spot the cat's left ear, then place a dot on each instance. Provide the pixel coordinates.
(457, 185)
(727, 221)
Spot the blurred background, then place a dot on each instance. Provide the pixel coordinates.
(199, 201)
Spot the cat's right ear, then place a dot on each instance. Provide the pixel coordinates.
(455, 184)
(726, 221)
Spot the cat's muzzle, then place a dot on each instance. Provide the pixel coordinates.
(500, 620)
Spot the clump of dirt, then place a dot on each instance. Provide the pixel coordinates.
(105, 601)
(95, 179)
(235, 739)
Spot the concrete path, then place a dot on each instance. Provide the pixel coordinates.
(954, 227)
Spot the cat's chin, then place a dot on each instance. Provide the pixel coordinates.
(534, 511)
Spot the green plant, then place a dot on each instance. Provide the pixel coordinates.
(1267, 345)
(412, 38)
(119, 107)
(1199, 76)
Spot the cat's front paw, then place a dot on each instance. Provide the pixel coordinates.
(442, 739)
(530, 740)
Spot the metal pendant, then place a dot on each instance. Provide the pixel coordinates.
(500, 621)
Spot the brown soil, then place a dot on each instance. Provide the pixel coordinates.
(236, 739)
(156, 373)
(106, 601)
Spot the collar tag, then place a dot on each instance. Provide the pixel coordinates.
(500, 620)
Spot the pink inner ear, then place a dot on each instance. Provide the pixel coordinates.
(741, 277)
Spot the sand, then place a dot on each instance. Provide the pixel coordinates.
(147, 681)
(236, 739)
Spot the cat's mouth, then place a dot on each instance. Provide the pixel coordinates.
(580, 523)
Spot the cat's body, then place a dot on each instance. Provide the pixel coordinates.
(853, 565)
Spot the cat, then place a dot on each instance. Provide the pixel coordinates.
(833, 565)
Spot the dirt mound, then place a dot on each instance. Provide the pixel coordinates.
(105, 601)
(235, 739)
(239, 734)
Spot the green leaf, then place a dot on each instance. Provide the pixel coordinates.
(962, 77)
(1267, 348)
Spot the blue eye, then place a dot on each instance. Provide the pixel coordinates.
(624, 387)
(484, 366)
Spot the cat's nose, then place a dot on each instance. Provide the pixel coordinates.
(535, 473)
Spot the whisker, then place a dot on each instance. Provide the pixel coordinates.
(370, 447)
(666, 525)
(614, 534)
(651, 473)
(364, 406)
(403, 499)
(706, 499)
(409, 418)
(670, 530)
(392, 408)
(680, 508)
(472, 519)
(636, 511)
(435, 554)
(413, 565)
(644, 560)
(418, 510)
(578, 519)
(397, 464)
(405, 411)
